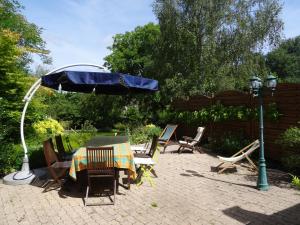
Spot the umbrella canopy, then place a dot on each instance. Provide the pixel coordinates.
(100, 82)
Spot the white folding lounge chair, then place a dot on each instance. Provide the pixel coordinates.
(229, 162)
(190, 143)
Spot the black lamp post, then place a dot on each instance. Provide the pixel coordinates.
(256, 87)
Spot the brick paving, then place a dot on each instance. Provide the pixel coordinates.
(186, 192)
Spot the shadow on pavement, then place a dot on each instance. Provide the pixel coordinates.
(286, 216)
(275, 178)
(192, 173)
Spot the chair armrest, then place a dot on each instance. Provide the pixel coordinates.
(188, 139)
(138, 149)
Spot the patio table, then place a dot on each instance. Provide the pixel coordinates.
(122, 154)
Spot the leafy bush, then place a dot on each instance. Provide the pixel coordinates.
(296, 181)
(120, 127)
(36, 157)
(133, 116)
(228, 143)
(88, 126)
(10, 158)
(166, 116)
(290, 141)
(292, 163)
(144, 133)
(47, 128)
(79, 139)
(290, 138)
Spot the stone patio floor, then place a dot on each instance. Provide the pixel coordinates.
(186, 192)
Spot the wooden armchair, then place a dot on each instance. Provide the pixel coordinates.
(191, 143)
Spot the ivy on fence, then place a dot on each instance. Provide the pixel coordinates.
(217, 113)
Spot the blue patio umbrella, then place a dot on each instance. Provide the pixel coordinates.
(78, 81)
(99, 82)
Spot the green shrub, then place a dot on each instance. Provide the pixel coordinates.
(228, 143)
(292, 163)
(87, 126)
(37, 157)
(290, 141)
(151, 130)
(120, 127)
(79, 139)
(143, 134)
(47, 128)
(296, 181)
(10, 157)
(291, 138)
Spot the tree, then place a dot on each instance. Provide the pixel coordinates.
(207, 46)
(133, 52)
(18, 40)
(284, 61)
(29, 34)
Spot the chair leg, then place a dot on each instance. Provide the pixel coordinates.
(165, 146)
(148, 177)
(226, 166)
(139, 178)
(179, 149)
(86, 195)
(115, 184)
(145, 174)
(128, 179)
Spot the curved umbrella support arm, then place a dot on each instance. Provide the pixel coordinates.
(27, 99)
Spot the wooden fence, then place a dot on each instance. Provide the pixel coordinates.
(286, 97)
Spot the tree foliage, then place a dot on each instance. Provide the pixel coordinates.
(29, 33)
(133, 52)
(284, 61)
(207, 46)
(18, 40)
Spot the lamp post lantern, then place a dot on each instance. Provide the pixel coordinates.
(256, 86)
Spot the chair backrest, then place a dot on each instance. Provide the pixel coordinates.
(153, 146)
(100, 158)
(106, 140)
(70, 148)
(242, 153)
(168, 132)
(49, 152)
(255, 145)
(198, 136)
(60, 146)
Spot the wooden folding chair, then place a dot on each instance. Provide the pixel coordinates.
(146, 168)
(229, 162)
(100, 164)
(151, 150)
(164, 138)
(57, 169)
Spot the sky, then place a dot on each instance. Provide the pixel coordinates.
(79, 31)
